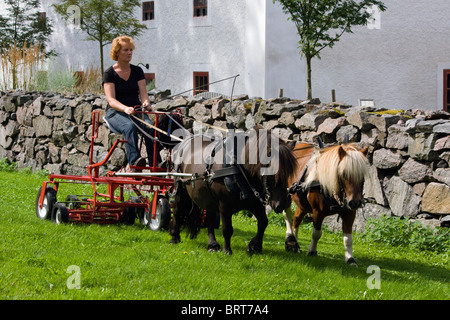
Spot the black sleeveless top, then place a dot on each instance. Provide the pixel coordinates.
(127, 92)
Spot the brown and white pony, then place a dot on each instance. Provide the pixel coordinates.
(328, 181)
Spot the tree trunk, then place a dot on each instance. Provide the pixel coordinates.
(101, 57)
(308, 78)
(100, 40)
(14, 77)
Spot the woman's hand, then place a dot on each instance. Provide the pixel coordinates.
(129, 110)
(147, 106)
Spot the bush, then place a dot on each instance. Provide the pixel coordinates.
(7, 166)
(395, 231)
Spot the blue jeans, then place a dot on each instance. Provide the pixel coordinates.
(122, 123)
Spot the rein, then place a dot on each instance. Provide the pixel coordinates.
(304, 148)
(133, 118)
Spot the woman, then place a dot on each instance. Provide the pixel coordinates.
(125, 87)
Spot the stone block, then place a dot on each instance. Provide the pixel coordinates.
(414, 172)
(401, 198)
(421, 146)
(397, 137)
(387, 159)
(43, 126)
(436, 199)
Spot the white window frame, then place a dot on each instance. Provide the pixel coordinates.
(204, 21)
(151, 24)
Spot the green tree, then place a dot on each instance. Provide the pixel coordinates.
(24, 24)
(103, 20)
(321, 23)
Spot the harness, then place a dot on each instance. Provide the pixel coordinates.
(302, 189)
(232, 173)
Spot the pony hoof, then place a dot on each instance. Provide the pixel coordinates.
(213, 247)
(254, 248)
(352, 262)
(175, 240)
(228, 252)
(312, 253)
(291, 245)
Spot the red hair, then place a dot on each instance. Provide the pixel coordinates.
(117, 45)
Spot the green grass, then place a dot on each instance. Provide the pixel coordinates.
(132, 262)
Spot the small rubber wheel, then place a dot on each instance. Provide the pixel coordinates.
(45, 213)
(60, 213)
(72, 201)
(162, 215)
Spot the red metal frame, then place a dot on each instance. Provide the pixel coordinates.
(109, 208)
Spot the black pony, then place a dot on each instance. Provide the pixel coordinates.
(210, 192)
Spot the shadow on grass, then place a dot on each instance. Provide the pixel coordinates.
(331, 256)
(330, 253)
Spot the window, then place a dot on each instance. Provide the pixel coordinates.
(200, 8)
(447, 90)
(148, 10)
(201, 82)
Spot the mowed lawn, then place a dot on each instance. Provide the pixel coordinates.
(40, 260)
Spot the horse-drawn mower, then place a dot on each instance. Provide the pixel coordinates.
(148, 190)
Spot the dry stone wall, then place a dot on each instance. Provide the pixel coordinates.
(409, 150)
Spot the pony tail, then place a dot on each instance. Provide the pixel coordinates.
(186, 213)
(193, 221)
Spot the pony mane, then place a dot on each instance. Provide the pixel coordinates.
(287, 165)
(326, 166)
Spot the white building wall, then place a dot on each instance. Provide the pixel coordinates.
(285, 69)
(74, 53)
(255, 48)
(177, 44)
(399, 65)
(396, 65)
